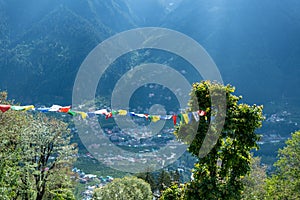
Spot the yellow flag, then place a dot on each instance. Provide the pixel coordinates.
(155, 118)
(186, 118)
(122, 112)
(28, 107)
(83, 114)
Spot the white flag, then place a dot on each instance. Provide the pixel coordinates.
(196, 116)
(101, 112)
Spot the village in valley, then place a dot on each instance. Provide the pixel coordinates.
(140, 147)
(147, 142)
(91, 182)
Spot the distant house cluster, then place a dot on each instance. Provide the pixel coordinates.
(276, 124)
(88, 178)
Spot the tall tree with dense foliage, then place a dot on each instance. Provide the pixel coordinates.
(36, 157)
(124, 188)
(11, 126)
(48, 156)
(218, 174)
(285, 183)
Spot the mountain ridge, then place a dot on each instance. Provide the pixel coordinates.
(50, 39)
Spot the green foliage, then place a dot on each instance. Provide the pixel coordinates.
(285, 183)
(222, 164)
(149, 178)
(47, 157)
(125, 188)
(161, 180)
(11, 126)
(254, 183)
(174, 192)
(35, 156)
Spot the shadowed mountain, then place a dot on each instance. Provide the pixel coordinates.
(255, 44)
(50, 50)
(49, 53)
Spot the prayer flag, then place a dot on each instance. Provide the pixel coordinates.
(155, 118)
(43, 109)
(114, 112)
(64, 109)
(186, 118)
(146, 116)
(30, 107)
(190, 115)
(180, 117)
(101, 112)
(4, 108)
(165, 117)
(122, 112)
(168, 116)
(54, 108)
(91, 114)
(202, 113)
(83, 114)
(108, 115)
(174, 119)
(196, 116)
(131, 114)
(17, 108)
(140, 115)
(71, 112)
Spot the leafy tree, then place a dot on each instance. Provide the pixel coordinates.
(255, 181)
(48, 156)
(161, 181)
(36, 157)
(125, 188)
(222, 164)
(11, 126)
(285, 183)
(174, 192)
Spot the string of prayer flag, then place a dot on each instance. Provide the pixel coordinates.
(186, 117)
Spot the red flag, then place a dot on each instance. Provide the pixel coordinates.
(4, 108)
(202, 112)
(174, 119)
(64, 109)
(146, 116)
(108, 115)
